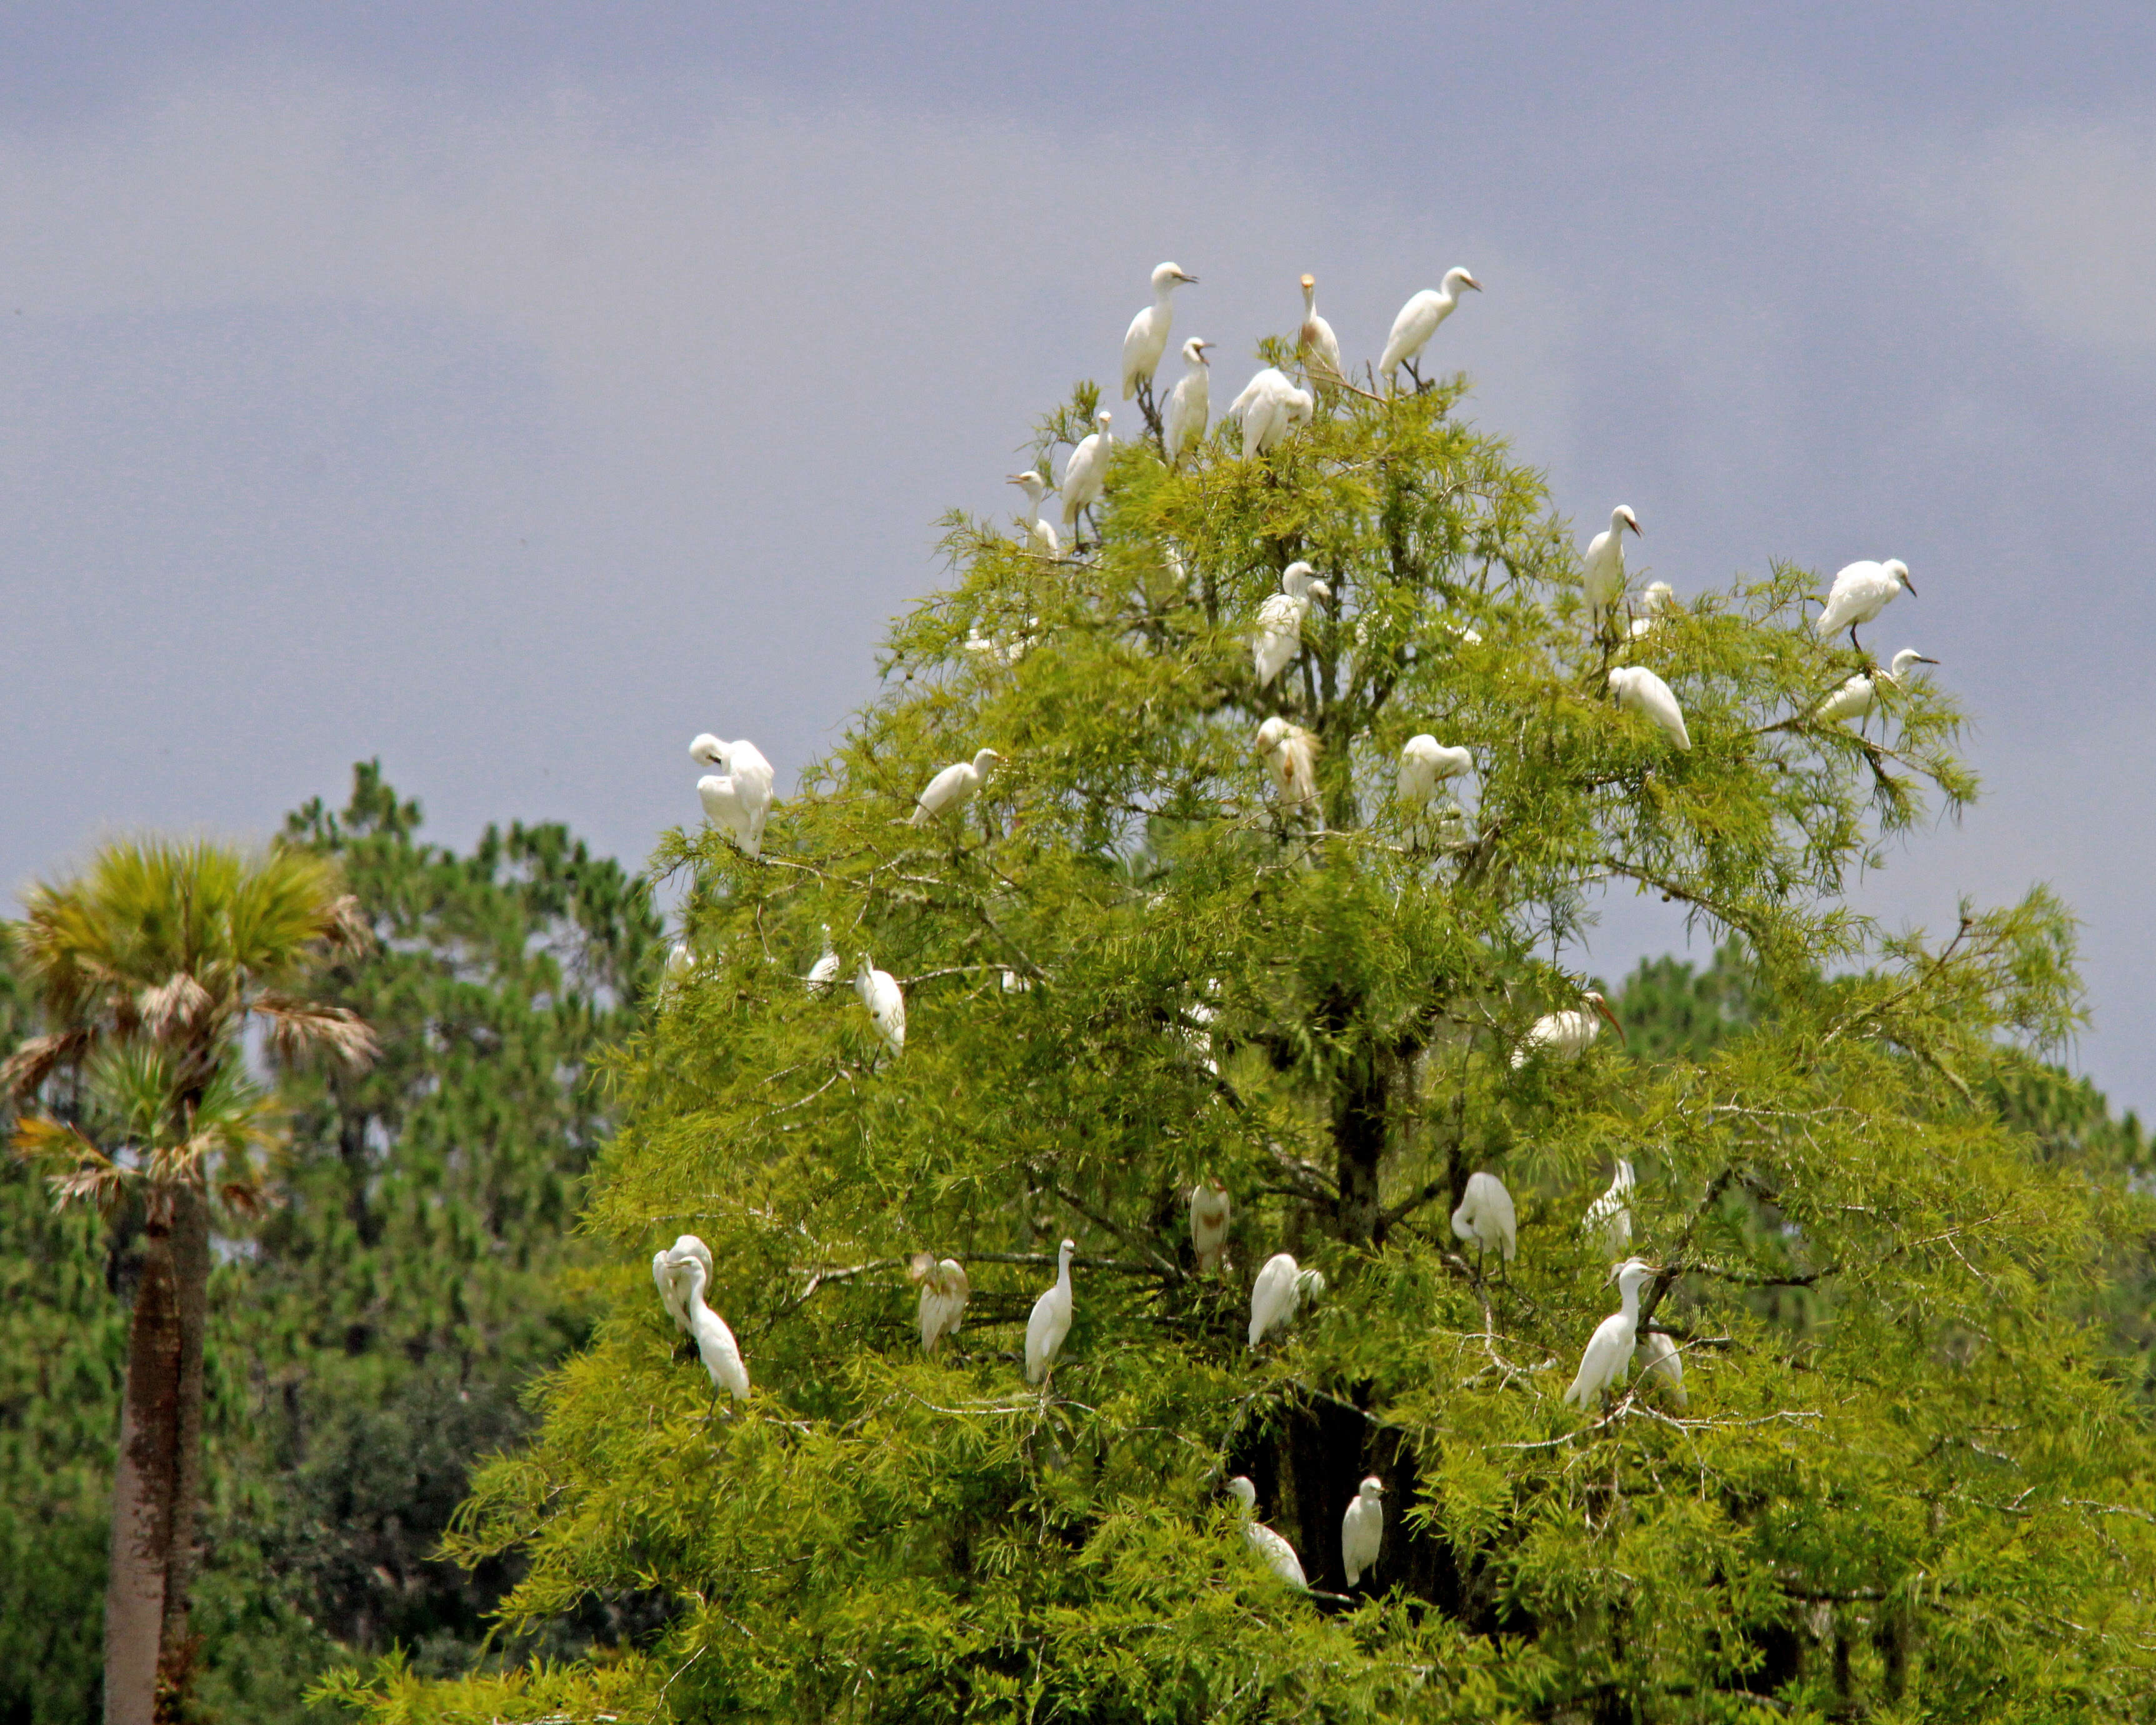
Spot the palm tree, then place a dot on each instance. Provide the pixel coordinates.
(150, 967)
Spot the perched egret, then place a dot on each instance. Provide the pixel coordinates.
(1602, 567)
(885, 1001)
(1566, 1034)
(1609, 1218)
(1279, 1555)
(1609, 1348)
(1856, 698)
(1040, 531)
(736, 798)
(1189, 404)
(1050, 1322)
(1660, 1358)
(1291, 755)
(1086, 472)
(944, 1292)
(825, 970)
(1208, 1222)
(1486, 1216)
(1280, 1288)
(715, 1342)
(1655, 600)
(1425, 764)
(1314, 341)
(954, 787)
(1418, 323)
(1363, 1529)
(670, 1269)
(1146, 338)
(1278, 636)
(1639, 688)
(1269, 408)
(1860, 593)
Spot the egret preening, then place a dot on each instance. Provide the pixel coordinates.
(1565, 1035)
(944, 1292)
(1146, 338)
(1425, 764)
(1040, 533)
(954, 787)
(1486, 1216)
(1660, 1358)
(1189, 404)
(1291, 757)
(1208, 1222)
(1314, 341)
(825, 970)
(1050, 1322)
(1279, 1555)
(1418, 323)
(1609, 1348)
(714, 1342)
(1640, 690)
(1655, 600)
(670, 1269)
(738, 797)
(1278, 636)
(1086, 473)
(1269, 408)
(1860, 593)
(885, 1001)
(1602, 567)
(1280, 1288)
(1609, 1218)
(1860, 695)
(1363, 1529)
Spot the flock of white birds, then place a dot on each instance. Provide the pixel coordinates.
(736, 798)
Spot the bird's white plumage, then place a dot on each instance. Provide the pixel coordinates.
(1856, 698)
(1210, 1217)
(1189, 404)
(1050, 1322)
(1269, 408)
(944, 1292)
(825, 970)
(954, 787)
(1314, 341)
(1609, 1218)
(1565, 1035)
(1278, 636)
(1291, 757)
(714, 1342)
(736, 798)
(1655, 600)
(1419, 320)
(1363, 1529)
(1602, 566)
(1609, 1349)
(1424, 764)
(1040, 531)
(1279, 1290)
(885, 1001)
(1486, 1216)
(1146, 338)
(1659, 1358)
(1086, 471)
(1278, 1554)
(1642, 692)
(670, 1269)
(1860, 593)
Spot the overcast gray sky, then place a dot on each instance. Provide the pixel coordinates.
(512, 392)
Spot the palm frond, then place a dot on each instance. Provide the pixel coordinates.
(36, 1060)
(298, 1027)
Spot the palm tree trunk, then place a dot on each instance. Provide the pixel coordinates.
(156, 1485)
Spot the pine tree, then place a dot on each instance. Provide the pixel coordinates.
(1165, 944)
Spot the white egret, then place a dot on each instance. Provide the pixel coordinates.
(1279, 1290)
(944, 1292)
(885, 1001)
(1856, 698)
(714, 1342)
(1565, 1035)
(1640, 690)
(1209, 1211)
(1050, 1322)
(1363, 1529)
(1860, 593)
(825, 970)
(1602, 566)
(1278, 636)
(1086, 472)
(1189, 404)
(670, 1269)
(1291, 757)
(1146, 338)
(954, 787)
(736, 798)
(1660, 1358)
(1425, 764)
(1279, 1555)
(1486, 1216)
(1418, 323)
(1655, 600)
(1315, 341)
(1269, 408)
(1609, 1217)
(1609, 1348)
(1040, 531)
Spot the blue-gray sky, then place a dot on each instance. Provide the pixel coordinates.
(512, 392)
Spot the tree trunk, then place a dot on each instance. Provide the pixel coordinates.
(156, 1484)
